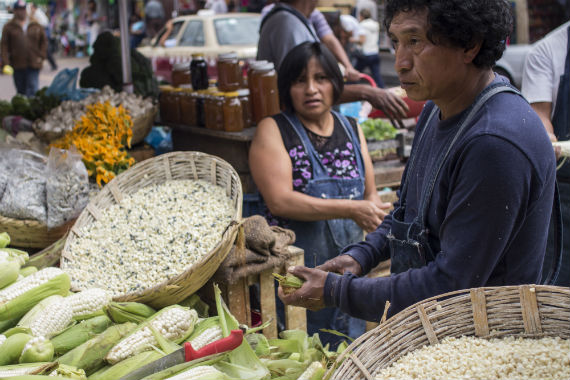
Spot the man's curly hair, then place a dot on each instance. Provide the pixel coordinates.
(462, 23)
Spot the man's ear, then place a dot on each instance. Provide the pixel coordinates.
(469, 54)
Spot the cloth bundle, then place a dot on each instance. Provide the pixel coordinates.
(258, 247)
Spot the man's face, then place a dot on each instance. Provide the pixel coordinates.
(20, 14)
(426, 71)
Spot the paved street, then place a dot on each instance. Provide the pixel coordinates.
(8, 90)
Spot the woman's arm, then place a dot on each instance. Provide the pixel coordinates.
(272, 172)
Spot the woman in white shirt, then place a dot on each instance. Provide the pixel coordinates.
(369, 57)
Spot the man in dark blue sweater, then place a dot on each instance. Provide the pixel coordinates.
(477, 192)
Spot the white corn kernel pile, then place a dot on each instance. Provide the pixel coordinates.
(151, 236)
(476, 358)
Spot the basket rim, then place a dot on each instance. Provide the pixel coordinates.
(523, 296)
(230, 230)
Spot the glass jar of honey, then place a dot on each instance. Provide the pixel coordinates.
(180, 74)
(233, 117)
(243, 95)
(199, 72)
(229, 72)
(264, 94)
(163, 101)
(174, 106)
(188, 107)
(218, 111)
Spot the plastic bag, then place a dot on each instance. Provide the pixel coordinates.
(64, 85)
(67, 186)
(160, 139)
(25, 193)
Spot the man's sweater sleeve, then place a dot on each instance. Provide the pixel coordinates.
(471, 246)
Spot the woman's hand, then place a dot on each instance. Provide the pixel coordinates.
(311, 294)
(368, 214)
(342, 264)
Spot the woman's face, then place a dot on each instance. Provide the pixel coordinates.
(312, 92)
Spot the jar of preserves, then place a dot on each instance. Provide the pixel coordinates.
(264, 94)
(164, 102)
(209, 117)
(180, 74)
(199, 72)
(233, 117)
(200, 108)
(229, 72)
(188, 107)
(243, 95)
(174, 109)
(218, 111)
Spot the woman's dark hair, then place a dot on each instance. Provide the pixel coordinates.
(463, 23)
(295, 62)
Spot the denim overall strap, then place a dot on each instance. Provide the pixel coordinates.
(463, 124)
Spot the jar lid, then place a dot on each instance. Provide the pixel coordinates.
(181, 66)
(197, 55)
(243, 91)
(230, 55)
(165, 87)
(232, 94)
(267, 66)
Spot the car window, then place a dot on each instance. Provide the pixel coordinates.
(193, 34)
(171, 39)
(237, 30)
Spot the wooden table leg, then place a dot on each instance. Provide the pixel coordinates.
(238, 301)
(295, 317)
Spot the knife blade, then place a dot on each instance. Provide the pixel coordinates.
(187, 354)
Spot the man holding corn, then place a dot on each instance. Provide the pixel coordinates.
(478, 189)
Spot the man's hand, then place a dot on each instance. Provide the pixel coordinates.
(352, 75)
(342, 264)
(393, 105)
(311, 294)
(7, 70)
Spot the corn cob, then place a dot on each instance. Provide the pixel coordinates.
(27, 369)
(289, 283)
(21, 256)
(26, 271)
(12, 348)
(202, 372)
(121, 312)
(79, 334)
(88, 303)
(9, 271)
(315, 371)
(128, 365)
(38, 349)
(18, 298)
(175, 323)
(206, 331)
(90, 355)
(4, 240)
(68, 371)
(52, 318)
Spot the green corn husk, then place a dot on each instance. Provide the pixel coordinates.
(69, 372)
(12, 348)
(90, 355)
(37, 350)
(183, 367)
(80, 333)
(26, 271)
(128, 365)
(4, 239)
(21, 256)
(121, 312)
(8, 324)
(9, 272)
(315, 371)
(40, 368)
(289, 283)
(37, 377)
(18, 306)
(196, 303)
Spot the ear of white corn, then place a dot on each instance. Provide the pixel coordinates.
(79, 333)
(68, 371)
(18, 298)
(56, 318)
(26, 369)
(21, 256)
(38, 310)
(203, 372)
(174, 323)
(26, 271)
(89, 303)
(315, 371)
(12, 348)
(2, 339)
(127, 366)
(206, 331)
(38, 349)
(121, 312)
(9, 271)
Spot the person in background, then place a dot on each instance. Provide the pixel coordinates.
(326, 35)
(154, 17)
(477, 191)
(370, 5)
(218, 6)
(38, 15)
(369, 57)
(93, 22)
(287, 25)
(312, 168)
(546, 85)
(352, 37)
(24, 48)
(137, 30)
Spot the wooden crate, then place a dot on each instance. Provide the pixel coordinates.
(238, 300)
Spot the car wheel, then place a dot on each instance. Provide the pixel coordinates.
(502, 72)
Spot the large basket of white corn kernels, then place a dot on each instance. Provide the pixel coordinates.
(507, 332)
(157, 232)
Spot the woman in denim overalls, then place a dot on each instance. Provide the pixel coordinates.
(313, 170)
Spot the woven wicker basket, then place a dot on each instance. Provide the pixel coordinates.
(531, 311)
(142, 125)
(31, 233)
(170, 166)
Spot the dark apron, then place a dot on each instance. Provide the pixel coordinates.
(324, 239)
(557, 258)
(408, 242)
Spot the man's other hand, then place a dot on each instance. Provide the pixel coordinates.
(342, 264)
(311, 294)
